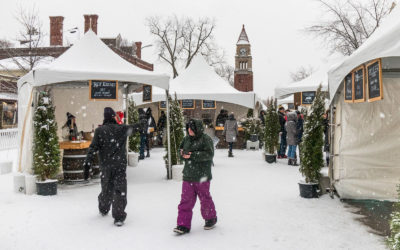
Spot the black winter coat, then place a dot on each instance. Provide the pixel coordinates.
(110, 142)
(282, 121)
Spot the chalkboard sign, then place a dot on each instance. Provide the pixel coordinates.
(147, 93)
(290, 106)
(188, 104)
(208, 104)
(307, 98)
(374, 77)
(162, 105)
(348, 88)
(103, 90)
(359, 84)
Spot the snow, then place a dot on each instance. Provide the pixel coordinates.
(8, 96)
(258, 207)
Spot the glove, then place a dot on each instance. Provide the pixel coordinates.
(86, 168)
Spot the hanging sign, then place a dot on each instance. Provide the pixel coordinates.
(359, 84)
(374, 81)
(308, 97)
(348, 88)
(188, 104)
(290, 106)
(208, 104)
(162, 105)
(103, 90)
(147, 93)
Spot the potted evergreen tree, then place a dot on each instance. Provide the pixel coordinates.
(46, 149)
(311, 153)
(393, 240)
(134, 139)
(271, 131)
(176, 128)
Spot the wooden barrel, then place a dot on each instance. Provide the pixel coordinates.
(96, 167)
(73, 164)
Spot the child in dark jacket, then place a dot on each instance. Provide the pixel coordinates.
(197, 150)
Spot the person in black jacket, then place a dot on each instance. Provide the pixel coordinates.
(161, 125)
(282, 133)
(150, 130)
(143, 132)
(110, 142)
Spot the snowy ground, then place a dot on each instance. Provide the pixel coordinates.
(258, 207)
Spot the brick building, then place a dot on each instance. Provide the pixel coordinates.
(243, 78)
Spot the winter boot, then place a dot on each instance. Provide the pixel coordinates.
(181, 230)
(118, 223)
(210, 224)
(294, 163)
(290, 162)
(141, 157)
(230, 154)
(148, 154)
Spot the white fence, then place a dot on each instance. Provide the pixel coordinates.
(8, 138)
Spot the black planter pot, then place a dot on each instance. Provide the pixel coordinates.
(309, 190)
(47, 188)
(270, 158)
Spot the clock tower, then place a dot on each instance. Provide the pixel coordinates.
(243, 79)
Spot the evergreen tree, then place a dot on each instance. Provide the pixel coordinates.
(312, 144)
(133, 117)
(394, 238)
(46, 149)
(176, 128)
(272, 127)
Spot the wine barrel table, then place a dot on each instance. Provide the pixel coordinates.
(73, 159)
(223, 144)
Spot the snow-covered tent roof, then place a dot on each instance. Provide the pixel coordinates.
(289, 99)
(90, 58)
(384, 42)
(199, 81)
(310, 83)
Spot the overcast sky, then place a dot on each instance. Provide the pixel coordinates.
(274, 28)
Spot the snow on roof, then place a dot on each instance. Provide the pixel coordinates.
(384, 42)
(199, 81)
(310, 83)
(289, 99)
(243, 38)
(8, 96)
(90, 58)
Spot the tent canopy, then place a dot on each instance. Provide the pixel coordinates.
(384, 42)
(310, 83)
(88, 59)
(199, 81)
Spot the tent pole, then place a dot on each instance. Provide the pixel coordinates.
(169, 176)
(21, 145)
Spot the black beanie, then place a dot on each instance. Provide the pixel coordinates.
(108, 113)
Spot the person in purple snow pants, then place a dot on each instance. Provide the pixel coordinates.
(197, 151)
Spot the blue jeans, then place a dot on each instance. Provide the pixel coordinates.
(143, 140)
(282, 149)
(230, 146)
(292, 151)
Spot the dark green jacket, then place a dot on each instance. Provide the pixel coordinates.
(198, 167)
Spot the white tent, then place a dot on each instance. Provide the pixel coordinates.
(384, 43)
(87, 59)
(199, 81)
(287, 100)
(310, 83)
(365, 135)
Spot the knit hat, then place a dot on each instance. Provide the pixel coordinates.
(108, 113)
(70, 116)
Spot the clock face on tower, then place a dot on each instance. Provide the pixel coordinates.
(243, 51)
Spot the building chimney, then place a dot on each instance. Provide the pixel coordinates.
(91, 22)
(56, 30)
(138, 49)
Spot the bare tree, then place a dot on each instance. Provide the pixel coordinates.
(301, 73)
(349, 22)
(180, 40)
(226, 71)
(30, 36)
